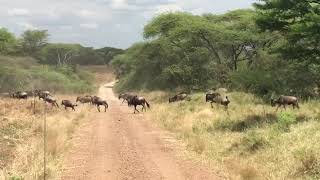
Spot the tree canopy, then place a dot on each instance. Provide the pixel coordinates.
(243, 49)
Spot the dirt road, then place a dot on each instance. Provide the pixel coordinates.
(120, 145)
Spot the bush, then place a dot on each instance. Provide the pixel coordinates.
(285, 119)
(62, 79)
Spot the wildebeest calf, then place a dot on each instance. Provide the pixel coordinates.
(285, 100)
(68, 103)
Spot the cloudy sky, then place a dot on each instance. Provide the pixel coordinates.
(99, 23)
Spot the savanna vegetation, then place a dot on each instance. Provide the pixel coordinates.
(31, 61)
(272, 49)
(256, 54)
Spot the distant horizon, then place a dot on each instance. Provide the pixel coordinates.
(100, 23)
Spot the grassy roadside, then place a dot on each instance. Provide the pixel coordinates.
(252, 141)
(21, 138)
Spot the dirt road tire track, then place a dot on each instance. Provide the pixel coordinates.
(120, 145)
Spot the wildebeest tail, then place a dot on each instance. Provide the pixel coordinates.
(148, 104)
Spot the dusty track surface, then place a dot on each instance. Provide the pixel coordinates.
(120, 145)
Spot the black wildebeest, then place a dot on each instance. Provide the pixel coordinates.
(178, 97)
(51, 100)
(212, 97)
(97, 101)
(68, 103)
(135, 101)
(84, 99)
(285, 100)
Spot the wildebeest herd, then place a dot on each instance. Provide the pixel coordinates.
(47, 97)
(135, 100)
(219, 99)
(210, 96)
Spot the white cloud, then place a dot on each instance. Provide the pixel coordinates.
(168, 8)
(89, 25)
(198, 11)
(119, 4)
(66, 27)
(107, 20)
(18, 12)
(26, 26)
(86, 13)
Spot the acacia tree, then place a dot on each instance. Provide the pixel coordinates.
(7, 41)
(298, 21)
(60, 54)
(34, 40)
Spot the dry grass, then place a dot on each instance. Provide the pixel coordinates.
(251, 140)
(21, 137)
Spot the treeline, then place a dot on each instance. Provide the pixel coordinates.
(32, 62)
(35, 43)
(272, 49)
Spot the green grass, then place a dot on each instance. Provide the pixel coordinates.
(251, 140)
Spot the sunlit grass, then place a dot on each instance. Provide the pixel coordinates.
(251, 139)
(21, 137)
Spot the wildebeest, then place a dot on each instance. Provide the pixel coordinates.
(19, 95)
(84, 99)
(125, 97)
(178, 97)
(42, 94)
(97, 101)
(68, 103)
(220, 100)
(135, 101)
(212, 97)
(51, 100)
(285, 100)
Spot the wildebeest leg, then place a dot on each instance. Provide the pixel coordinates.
(135, 109)
(211, 104)
(65, 107)
(73, 108)
(278, 107)
(98, 107)
(105, 108)
(297, 105)
(284, 106)
(123, 101)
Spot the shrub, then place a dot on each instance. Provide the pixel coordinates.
(285, 119)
